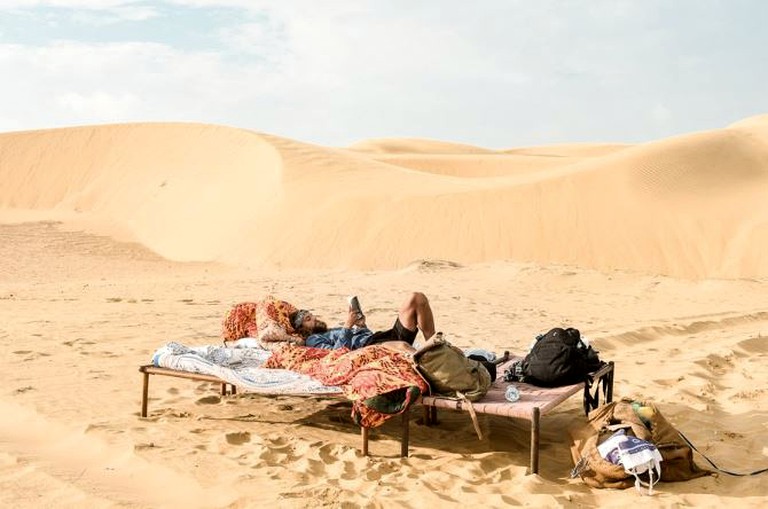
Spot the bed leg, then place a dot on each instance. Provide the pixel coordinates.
(223, 389)
(364, 433)
(535, 441)
(406, 430)
(233, 390)
(609, 393)
(145, 395)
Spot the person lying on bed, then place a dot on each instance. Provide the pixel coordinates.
(414, 314)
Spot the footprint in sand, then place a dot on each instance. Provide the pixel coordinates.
(30, 355)
(279, 442)
(106, 354)
(114, 299)
(372, 475)
(166, 412)
(238, 438)
(328, 453)
(754, 345)
(350, 473)
(209, 400)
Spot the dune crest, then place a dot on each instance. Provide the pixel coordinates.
(416, 146)
(687, 206)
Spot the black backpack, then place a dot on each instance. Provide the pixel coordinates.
(558, 358)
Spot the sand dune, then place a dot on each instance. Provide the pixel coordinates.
(117, 239)
(689, 206)
(570, 150)
(416, 146)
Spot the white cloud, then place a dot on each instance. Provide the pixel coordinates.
(115, 14)
(73, 83)
(494, 73)
(95, 12)
(99, 104)
(67, 4)
(266, 40)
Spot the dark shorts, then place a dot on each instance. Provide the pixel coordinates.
(398, 332)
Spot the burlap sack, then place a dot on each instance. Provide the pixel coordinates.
(677, 464)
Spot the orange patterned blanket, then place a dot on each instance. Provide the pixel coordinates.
(379, 381)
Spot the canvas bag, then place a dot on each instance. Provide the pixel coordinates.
(451, 373)
(640, 419)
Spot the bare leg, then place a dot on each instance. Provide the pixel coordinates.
(415, 313)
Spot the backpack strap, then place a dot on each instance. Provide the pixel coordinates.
(472, 414)
(729, 472)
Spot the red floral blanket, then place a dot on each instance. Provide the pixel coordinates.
(380, 382)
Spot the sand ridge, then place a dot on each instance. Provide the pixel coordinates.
(206, 193)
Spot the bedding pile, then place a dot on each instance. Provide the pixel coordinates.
(242, 367)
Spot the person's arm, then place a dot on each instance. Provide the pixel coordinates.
(331, 339)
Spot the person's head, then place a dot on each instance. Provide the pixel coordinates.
(305, 323)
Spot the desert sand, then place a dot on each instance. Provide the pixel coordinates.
(116, 239)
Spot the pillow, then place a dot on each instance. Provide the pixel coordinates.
(267, 320)
(239, 322)
(273, 322)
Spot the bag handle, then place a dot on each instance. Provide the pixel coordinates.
(729, 472)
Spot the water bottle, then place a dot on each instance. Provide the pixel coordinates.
(512, 394)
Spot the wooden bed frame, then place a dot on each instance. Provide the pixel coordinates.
(534, 401)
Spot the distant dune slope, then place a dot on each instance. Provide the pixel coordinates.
(415, 146)
(688, 206)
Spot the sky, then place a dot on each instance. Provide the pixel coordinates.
(494, 73)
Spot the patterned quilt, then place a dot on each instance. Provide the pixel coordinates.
(379, 381)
